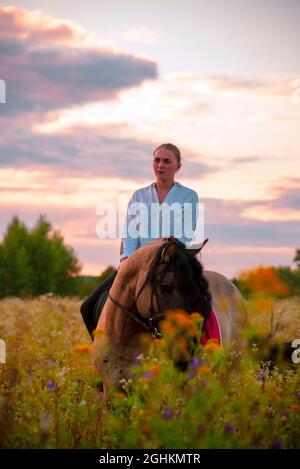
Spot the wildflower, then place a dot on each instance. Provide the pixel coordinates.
(179, 316)
(86, 348)
(277, 444)
(261, 375)
(139, 359)
(147, 374)
(167, 413)
(97, 331)
(204, 369)
(192, 374)
(298, 394)
(228, 428)
(195, 362)
(146, 429)
(155, 369)
(51, 385)
(211, 345)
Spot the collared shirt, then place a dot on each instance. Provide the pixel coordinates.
(150, 225)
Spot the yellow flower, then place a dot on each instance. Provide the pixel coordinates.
(97, 331)
(204, 369)
(179, 316)
(83, 348)
(155, 369)
(211, 345)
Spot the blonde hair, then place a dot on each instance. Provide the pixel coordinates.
(172, 148)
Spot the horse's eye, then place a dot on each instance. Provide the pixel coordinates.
(166, 288)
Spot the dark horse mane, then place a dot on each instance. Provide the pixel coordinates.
(189, 274)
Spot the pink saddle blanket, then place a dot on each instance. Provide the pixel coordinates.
(211, 329)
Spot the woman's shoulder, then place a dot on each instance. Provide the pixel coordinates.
(140, 192)
(187, 190)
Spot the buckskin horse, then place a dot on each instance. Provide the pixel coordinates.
(158, 277)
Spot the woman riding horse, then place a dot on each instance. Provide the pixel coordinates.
(159, 279)
(166, 163)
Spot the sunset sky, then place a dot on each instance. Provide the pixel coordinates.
(92, 87)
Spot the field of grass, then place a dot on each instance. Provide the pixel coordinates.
(49, 391)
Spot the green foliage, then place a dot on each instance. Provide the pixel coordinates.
(35, 262)
(85, 284)
(291, 278)
(297, 258)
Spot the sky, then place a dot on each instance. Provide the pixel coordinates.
(91, 88)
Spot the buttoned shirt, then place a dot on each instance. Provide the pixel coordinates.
(147, 219)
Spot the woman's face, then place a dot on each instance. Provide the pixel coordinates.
(165, 164)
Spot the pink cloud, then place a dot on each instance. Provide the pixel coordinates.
(35, 25)
(52, 64)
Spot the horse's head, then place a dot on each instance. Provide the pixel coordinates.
(173, 279)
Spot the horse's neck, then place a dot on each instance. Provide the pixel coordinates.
(119, 324)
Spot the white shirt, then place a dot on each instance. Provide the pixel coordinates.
(152, 226)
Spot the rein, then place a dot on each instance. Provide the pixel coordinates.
(149, 323)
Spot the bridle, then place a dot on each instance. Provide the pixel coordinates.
(149, 324)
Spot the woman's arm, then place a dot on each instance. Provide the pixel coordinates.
(128, 243)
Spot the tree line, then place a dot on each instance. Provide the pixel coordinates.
(34, 262)
(37, 261)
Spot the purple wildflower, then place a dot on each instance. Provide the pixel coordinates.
(192, 374)
(147, 374)
(261, 375)
(298, 394)
(51, 385)
(167, 413)
(195, 362)
(277, 444)
(228, 428)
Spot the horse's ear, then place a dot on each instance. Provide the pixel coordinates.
(167, 252)
(196, 249)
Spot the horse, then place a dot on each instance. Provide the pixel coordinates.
(158, 277)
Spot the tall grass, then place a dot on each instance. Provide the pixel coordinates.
(49, 391)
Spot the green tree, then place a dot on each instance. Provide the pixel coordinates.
(36, 262)
(297, 258)
(16, 270)
(291, 278)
